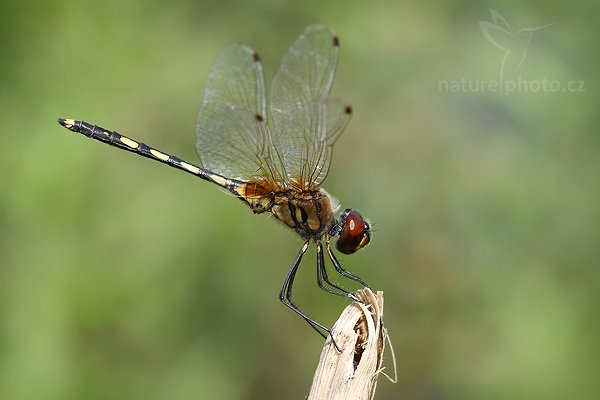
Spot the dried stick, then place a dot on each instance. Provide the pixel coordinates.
(359, 332)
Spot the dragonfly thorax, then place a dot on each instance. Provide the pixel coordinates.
(309, 213)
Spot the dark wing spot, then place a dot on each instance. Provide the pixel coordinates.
(336, 41)
(256, 57)
(258, 117)
(348, 109)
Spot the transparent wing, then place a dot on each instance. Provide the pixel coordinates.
(307, 138)
(231, 132)
(306, 121)
(331, 117)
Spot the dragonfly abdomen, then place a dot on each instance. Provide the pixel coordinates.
(114, 138)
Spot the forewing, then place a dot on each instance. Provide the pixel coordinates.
(231, 132)
(305, 121)
(331, 117)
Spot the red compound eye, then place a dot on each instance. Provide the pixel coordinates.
(354, 224)
(355, 233)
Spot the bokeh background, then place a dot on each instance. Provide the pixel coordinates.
(123, 279)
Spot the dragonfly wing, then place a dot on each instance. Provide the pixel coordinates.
(330, 117)
(231, 129)
(306, 121)
(307, 137)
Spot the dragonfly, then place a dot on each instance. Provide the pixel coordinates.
(273, 157)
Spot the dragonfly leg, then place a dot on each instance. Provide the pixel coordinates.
(322, 277)
(340, 269)
(285, 295)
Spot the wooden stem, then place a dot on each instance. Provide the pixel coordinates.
(359, 333)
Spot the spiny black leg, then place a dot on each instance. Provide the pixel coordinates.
(322, 276)
(340, 269)
(285, 296)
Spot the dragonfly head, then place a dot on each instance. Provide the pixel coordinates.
(355, 232)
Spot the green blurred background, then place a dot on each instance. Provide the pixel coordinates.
(123, 279)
